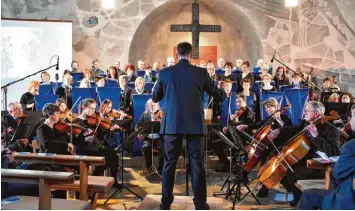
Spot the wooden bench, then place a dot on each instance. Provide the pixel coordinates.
(327, 167)
(85, 184)
(43, 178)
(310, 184)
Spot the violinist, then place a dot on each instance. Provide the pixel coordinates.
(243, 115)
(65, 114)
(152, 113)
(13, 117)
(28, 99)
(279, 121)
(323, 137)
(91, 142)
(346, 132)
(106, 111)
(48, 137)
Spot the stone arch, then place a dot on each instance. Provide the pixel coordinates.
(153, 40)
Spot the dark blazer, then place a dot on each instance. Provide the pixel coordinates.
(125, 101)
(182, 86)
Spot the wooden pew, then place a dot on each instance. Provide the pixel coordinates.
(327, 167)
(86, 181)
(43, 178)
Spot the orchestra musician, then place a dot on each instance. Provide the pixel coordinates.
(48, 137)
(280, 120)
(28, 99)
(243, 115)
(106, 111)
(152, 113)
(91, 142)
(323, 137)
(13, 119)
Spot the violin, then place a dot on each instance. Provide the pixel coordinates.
(238, 114)
(20, 118)
(68, 116)
(295, 149)
(96, 120)
(260, 143)
(117, 115)
(63, 127)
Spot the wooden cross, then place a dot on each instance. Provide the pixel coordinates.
(195, 27)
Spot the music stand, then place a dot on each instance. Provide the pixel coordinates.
(154, 127)
(120, 149)
(29, 123)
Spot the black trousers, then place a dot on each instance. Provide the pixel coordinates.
(172, 150)
(147, 152)
(111, 158)
(301, 173)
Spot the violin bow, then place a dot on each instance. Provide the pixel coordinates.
(70, 111)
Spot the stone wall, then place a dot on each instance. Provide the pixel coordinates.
(318, 33)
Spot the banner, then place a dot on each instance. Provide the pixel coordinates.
(41, 100)
(298, 99)
(111, 93)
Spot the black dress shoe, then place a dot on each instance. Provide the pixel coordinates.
(294, 202)
(263, 192)
(203, 207)
(164, 207)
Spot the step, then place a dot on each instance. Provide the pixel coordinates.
(152, 202)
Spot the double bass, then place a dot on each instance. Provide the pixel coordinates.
(295, 149)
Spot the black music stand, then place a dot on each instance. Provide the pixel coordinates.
(343, 109)
(129, 140)
(235, 184)
(153, 127)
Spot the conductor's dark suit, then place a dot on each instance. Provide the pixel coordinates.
(182, 86)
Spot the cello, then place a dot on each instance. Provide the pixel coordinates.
(260, 143)
(295, 149)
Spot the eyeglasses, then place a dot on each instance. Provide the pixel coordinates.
(308, 111)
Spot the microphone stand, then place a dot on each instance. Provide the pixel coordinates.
(5, 89)
(309, 83)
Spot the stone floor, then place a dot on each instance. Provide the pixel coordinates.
(151, 184)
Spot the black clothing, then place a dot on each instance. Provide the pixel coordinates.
(132, 79)
(230, 77)
(274, 124)
(49, 141)
(98, 72)
(66, 94)
(327, 141)
(125, 101)
(279, 82)
(269, 90)
(97, 148)
(27, 99)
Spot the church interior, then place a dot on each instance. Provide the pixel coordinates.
(90, 89)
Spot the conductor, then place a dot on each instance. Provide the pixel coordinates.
(182, 86)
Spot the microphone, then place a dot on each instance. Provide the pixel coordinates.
(57, 67)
